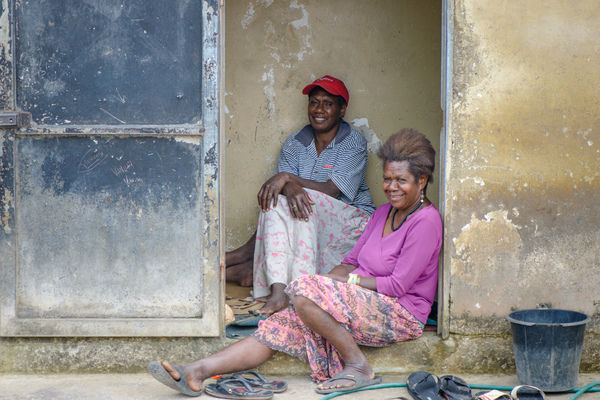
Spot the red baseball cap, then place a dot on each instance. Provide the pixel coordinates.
(331, 85)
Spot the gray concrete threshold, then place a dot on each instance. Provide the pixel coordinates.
(144, 387)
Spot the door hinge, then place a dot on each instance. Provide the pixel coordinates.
(15, 119)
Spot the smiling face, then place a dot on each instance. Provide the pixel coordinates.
(324, 111)
(400, 186)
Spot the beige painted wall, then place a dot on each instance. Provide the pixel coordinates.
(387, 53)
(523, 160)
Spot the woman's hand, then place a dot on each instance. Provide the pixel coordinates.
(270, 190)
(340, 273)
(298, 201)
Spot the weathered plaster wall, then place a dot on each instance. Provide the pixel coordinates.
(523, 156)
(387, 53)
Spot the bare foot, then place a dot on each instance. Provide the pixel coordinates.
(192, 374)
(364, 371)
(277, 301)
(240, 273)
(242, 254)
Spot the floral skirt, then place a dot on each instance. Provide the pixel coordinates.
(287, 248)
(373, 319)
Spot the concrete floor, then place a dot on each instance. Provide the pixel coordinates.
(144, 387)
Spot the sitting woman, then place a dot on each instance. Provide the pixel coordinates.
(381, 293)
(315, 208)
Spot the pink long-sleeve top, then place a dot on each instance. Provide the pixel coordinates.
(405, 262)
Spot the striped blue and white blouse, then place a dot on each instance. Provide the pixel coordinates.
(344, 161)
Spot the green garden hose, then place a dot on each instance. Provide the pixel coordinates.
(578, 391)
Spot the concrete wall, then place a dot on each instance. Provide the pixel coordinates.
(387, 53)
(522, 160)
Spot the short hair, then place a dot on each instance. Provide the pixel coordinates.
(340, 98)
(412, 146)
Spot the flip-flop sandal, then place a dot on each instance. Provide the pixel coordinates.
(454, 388)
(526, 392)
(259, 381)
(359, 382)
(422, 385)
(234, 388)
(162, 375)
(492, 395)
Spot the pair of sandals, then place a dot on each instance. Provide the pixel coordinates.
(423, 385)
(243, 385)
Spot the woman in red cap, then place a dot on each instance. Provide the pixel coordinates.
(314, 208)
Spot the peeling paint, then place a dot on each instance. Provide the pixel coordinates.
(7, 205)
(269, 90)
(479, 239)
(362, 125)
(248, 17)
(302, 23)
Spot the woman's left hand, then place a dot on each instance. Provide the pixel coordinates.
(298, 201)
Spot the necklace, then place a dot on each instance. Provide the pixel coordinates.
(406, 216)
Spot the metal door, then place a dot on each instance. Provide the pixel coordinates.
(109, 202)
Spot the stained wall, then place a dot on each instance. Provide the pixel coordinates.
(523, 150)
(387, 53)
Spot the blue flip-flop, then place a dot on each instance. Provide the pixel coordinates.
(162, 375)
(359, 382)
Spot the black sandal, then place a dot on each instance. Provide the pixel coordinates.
(259, 381)
(422, 385)
(234, 388)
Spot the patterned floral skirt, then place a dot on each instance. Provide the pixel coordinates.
(287, 248)
(373, 319)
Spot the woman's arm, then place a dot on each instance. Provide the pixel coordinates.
(342, 272)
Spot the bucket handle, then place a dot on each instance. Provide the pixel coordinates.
(565, 325)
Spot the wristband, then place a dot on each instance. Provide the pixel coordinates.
(352, 278)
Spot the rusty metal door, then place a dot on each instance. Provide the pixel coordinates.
(109, 199)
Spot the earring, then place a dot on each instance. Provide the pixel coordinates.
(422, 196)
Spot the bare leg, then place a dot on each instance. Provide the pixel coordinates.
(240, 273)
(277, 301)
(243, 355)
(242, 254)
(321, 322)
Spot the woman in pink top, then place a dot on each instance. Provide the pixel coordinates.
(381, 293)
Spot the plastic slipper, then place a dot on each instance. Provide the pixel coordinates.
(454, 388)
(252, 319)
(492, 395)
(422, 385)
(162, 375)
(259, 381)
(234, 388)
(526, 392)
(359, 382)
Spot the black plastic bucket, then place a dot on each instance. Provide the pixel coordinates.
(547, 345)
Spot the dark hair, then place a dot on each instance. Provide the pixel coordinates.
(412, 146)
(341, 100)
